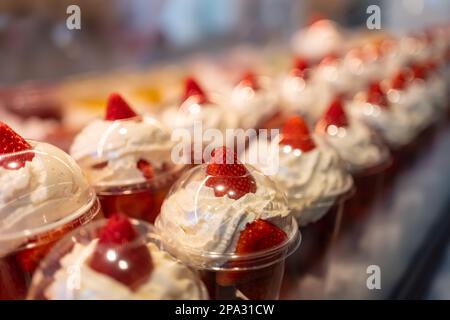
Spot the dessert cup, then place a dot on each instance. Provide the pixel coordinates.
(128, 161)
(69, 272)
(209, 223)
(316, 184)
(363, 153)
(46, 196)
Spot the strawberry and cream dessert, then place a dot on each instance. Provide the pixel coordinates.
(407, 93)
(365, 156)
(319, 39)
(43, 196)
(298, 93)
(353, 140)
(253, 103)
(232, 223)
(195, 108)
(114, 259)
(317, 184)
(127, 158)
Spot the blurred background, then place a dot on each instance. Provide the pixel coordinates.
(35, 43)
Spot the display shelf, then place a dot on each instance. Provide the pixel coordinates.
(402, 233)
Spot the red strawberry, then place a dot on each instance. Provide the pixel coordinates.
(118, 109)
(376, 95)
(11, 142)
(119, 255)
(193, 89)
(335, 115)
(399, 80)
(259, 235)
(227, 176)
(249, 79)
(146, 169)
(295, 133)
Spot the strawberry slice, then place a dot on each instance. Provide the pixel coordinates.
(118, 109)
(295, 133)
(249, 79)
(146, 168)
(257, 236)
(376, 95)
(227, 176)
(11, 142)
(335, 115)
(193, 90)
(119, 255)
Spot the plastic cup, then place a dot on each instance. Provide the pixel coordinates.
(368, 186)
(312, 260)
(227, 274)
(26, 240)
(60, 280)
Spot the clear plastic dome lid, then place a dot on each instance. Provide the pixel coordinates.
(118, 259)
(208, 213)
(124, 150)
(41, 188)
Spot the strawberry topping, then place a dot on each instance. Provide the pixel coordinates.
(227, 176)
(11, 142)
(118, 109)
(335, 115)
(249, 79)
(193, 90)
(259, 235)
(376, 95)
(119, 255)
(295, 133)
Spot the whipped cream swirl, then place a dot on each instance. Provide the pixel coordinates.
(357, 146)
(397, 127)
